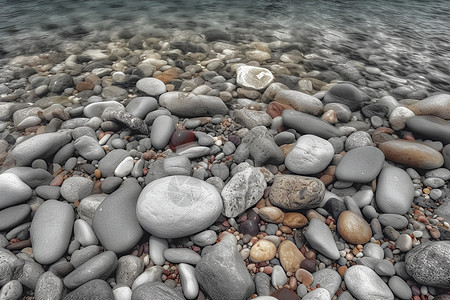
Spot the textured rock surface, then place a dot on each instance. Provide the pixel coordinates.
(158, 290)
(364, 283)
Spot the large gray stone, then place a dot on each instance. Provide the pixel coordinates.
(395, 191)
(89, 148)
(328, 279)
(162, 130)
(129, 268)
(320, 238)
(262, 148)
(345, 93)
(178, 206)
(362, 164)
(243, 191)
(10, 266)
(13, 190)
(157, 290)
(222, 272)
(51, 230)
(307, 124)
(430, 127)
(141, 106)
(253, 77)
(429, 264)
(115, 222)
(13, 216)
(300, 102)
(94, 289)
(364, 283)
(31, 176)
(189, 105)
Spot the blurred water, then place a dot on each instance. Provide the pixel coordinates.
(402, 36)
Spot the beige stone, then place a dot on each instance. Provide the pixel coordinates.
(290, 256)
(353, 228)
(271, 214)
(294, 220)
(263, 250)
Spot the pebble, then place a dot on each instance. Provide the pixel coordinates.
(262, 283)
(151, 86)
(363, 282)
(76, 188)
(307, 124)
(310, 155)
(204, 238)
(271, 214)
(300, 101)
(49, 286)
(13, 190)
(195, 202)
(373, 250)
(128, 269)
(93, 289)
(399, 116)
(252, 118)
(320, 237)
(396, 221)
(294, 220)
(124, 168)
(151, 274)
(158, 290)
(278, 276)
(188, 105)
(290, 256)
(345, 93)
(328, 279)
(399, 287)
(157, 247)
(384, 268)
(361, 164)
(84, 233)
(162, 130)
(96, 109)
(353, 228)
(436, 105)
(89, 148)
(12, 290)
(13, 216)
(182, 255)
(262, 250)
(318, 294)
(141, 106)
(253, 77)
(31, 177)
(188, 281)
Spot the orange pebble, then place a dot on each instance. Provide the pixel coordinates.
(341, 270)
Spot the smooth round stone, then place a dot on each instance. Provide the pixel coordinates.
(125, 167)
(89, 148)
(100, 266)
(364, 283)
(373, 250)
(310, 155)
(358, 139)
(158, 290)
(128, 269)
(362, 164)
(284, 137)
(271, 214)
(110, 184)
(251, 118)
(278, 276)
(400, 288)
(182, 255)
(290, 256)
(294, 220)
(76, 188)
(84, 233)
(13, 190)
(396, 221)
(49, 286)
(429, 264)
(109, 163)
(353, 228)
(157, 247)
(395, 191)
(328, 279)
(263, 250)
(94, 289)
(181, 137)
(13, 216)
(162, 130)
(177, 165)
(122, 293)
(189, 283)
(11, 290)
(436, 105)
(188, 105)
(81, 256)
(151, 86)
(229, 148)
(141, 106)
(307, 124)
(344, 93)
(204, 238)
(317, 294)
(51, 230)
(404, 243)
(320, 237)
(195, 202)
(96, 109)
(399, 116)
(412, 154)
(384, 268)
(300, 101)
(253, 77)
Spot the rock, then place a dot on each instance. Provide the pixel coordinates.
(300, 101)
(358, 139)
(162, 130)
(399, 116)
(396, 221)
(49, 286)
(177, 165)
(295, 192)
(328, 279)
(294, 220)
(317, 294)
(11, 290)
(151, 86)
(346, 94)
(13, 216)
(125, 118)
(384, 268)
(261, 146)
(353, 228)
(44, 146)
(224, 281)
(189, 283)
(243, 191)
(271, 214)
(263, 250)
(128, 269)
(31, 177)
(141, 106)
(96, 109)
(89, 148)
(395, 191)
(114, 93)
(310, 155)
(182, 255)
(88, 205)
(100, 266)
(253, 77)
(290, 256)
(412, 154)
(195, 202)
(334, 207)
(429, 264)
(251, 118)
(13, 190)
(430, 127)
(76, 188)
(94, 289)
(373, 250)
(437, 105)
(204, 238)
(320, 238)
(51, 230)
(400, 288)
(109, 163)
(10, 266)
(81, 256)
(364, 283)
(158, 290)
(150, 274)
(362, 164)
(307, 124)
(157, 246)
(59, 82)
(115, 222)
(279, 277)
(189, 105)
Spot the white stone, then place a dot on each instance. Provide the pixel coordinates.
(151, 86)
(125, 167)
(279, 277)
(254, 77)
(364, 283)
(189, 283)
(311, 155)
(156, 247)
(13, 190)
(84, 233)
(399, 116)
(317, 294)
(122, 293)
(151, 274)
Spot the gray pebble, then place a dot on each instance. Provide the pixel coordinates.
(31, 271)
(129, 268)
(229, 148)
(394, 220)
(400, 288)
(48, 287)
(182, 255)
(11, 290)
(204, 238)
(220, 170)
(81, 256)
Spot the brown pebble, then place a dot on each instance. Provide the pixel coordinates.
(304, 276)
(285, 229)
(271, 214)
(293, 283)
(294, 220)
(275, 109)
(341, 270)
(353, 228)
(19, 245)
(312, 214)
(309, 265)
(98, 174)
(290, 256)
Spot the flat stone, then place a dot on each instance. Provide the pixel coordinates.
(430, 127)
(328, 279)
(294, 220)
(44, 146)
(189, 105)
(243, 191)
(49, 286)
(162, 130)
(296, 192)
(429, 264)
(224, 281)
(412, 154)
(158, 290)
(396, 221)
(115, 222)
(300, 101)
(345, 93)
(100, 266)
(182, 255)
(362, 164)
(252, 118)
(364, 283)
(151, 86)
(51, 230)
(254, 77)
(271, 214)
(94, 289)
(353, 228)
(195, 202)
(13, 190)
(310, 155)
(13, 216)
(109, 163)
(437, 105)
(290, 256)
(96, 109)
(48, 192)
(395, 191)
(89, 148)
(178, 165)
(307, 124)
(320, 238)
(76, 188)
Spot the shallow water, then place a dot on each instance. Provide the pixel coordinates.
(400, 37)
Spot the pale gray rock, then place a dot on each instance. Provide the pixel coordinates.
(48, 192)
(204, 238)
(43, 146)
(162, 130)
(129, 268)
(89, 148)
(30, 273)
(115, 222)
(100, 266)
(88, 205)
(125, 167)
(363, 197)
(251, 118)
(189, 105)
(152, 274)
(141, 106)
(177, 165)
(310, 155)
(373, 250)
(384, 268)
(96, 109)
(278, 276)
(254, 77)
(84, 233)
(361, 164)
(400, 288)
(395, 191)
(125, 118)
(342, 111)
(307, 124)
(158, 290)
(195, 203)
(13, 216)
(30, 176)
(11, 290)
(109, 163)
(347, 94)
(189, 283)
(224, 281)
(157, 246)
(243, 191)
(300, 102)
(76, 188)
(431, 127)
(94, 289)
(358, 139)
(262, 284)
(10, 266)
(194, 152)
(182, 255)
(396, 221)
(364, 283)
(261, 147)
(51, 230)
(151, 86)
(328, 279)
(317, 294)
(13, 190)
(81, 256)
(320, 238)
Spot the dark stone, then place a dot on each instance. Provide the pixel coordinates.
(59, 82)
(390, 233)
(299, 238)
(95, 289)
(216, 35)
(335, 207)
(186, 47)
(346, 94)
(262, 283)
(155, 290)
(286, 294)
(309, 265)
(249, 227)
(375, 109)
(253, 216)
(430, 127)
(306, 124)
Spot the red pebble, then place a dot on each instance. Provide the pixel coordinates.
(181, 137)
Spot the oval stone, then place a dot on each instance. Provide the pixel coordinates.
(362, 164)
(364, 283)
(263, 250)
(430, 127)
(412, 154)
(51, 230)
(13, 190)
(290, 256)
(162, 130)
(307, 124)
(178, 206)
(353, 228)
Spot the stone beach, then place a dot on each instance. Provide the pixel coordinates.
(195, 167)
